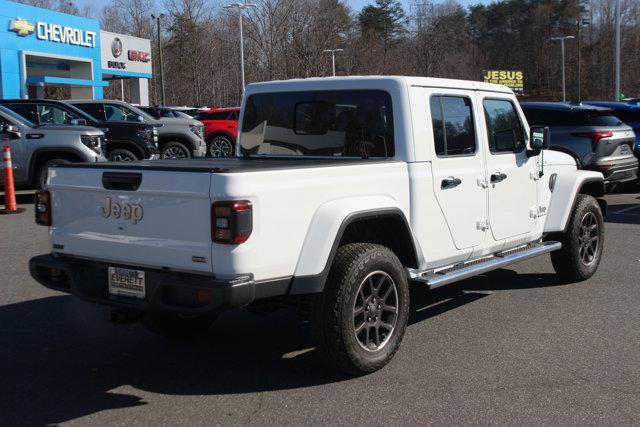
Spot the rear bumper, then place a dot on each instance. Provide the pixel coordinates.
(164, 291)
(617, 171)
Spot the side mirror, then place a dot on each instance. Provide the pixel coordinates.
(78, 122)
(540, 139)
(12, 131)
(140, 119)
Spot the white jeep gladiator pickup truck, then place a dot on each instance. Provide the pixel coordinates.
(344, 191)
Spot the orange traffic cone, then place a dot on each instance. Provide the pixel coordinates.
(10, 205)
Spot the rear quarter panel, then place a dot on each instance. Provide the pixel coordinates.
(286, 202)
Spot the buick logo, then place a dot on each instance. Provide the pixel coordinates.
(116, 47)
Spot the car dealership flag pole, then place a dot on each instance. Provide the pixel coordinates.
(241, 7)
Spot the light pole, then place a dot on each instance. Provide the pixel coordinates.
(581, 21)
(617, 53)
(562, 39)
(157, 18)
(241, 7)
(333, 58)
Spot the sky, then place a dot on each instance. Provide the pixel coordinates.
(356, 5)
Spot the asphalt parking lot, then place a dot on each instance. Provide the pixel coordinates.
(515, 346)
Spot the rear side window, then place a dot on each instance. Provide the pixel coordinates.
(28, 111)
(94, 110)
(354, 123)
(505, 131)
(453, 129)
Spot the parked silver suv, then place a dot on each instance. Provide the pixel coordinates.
(34, 148)
(177, 137)
(595, 138)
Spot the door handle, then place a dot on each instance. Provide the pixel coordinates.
(498, 176)
(451, 182)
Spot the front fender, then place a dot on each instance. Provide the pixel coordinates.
(563, 197)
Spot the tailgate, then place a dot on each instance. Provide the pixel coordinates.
(149, 218)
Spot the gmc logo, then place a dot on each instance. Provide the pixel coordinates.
(140, 56)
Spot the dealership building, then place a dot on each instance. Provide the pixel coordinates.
(42, 49)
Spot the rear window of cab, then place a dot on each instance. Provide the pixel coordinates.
(341, 123)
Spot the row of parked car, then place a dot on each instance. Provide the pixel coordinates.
(48, 132)
(602, 136)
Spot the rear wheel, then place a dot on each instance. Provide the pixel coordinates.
(121, 155)
(175, 150)
(582, 242)
(220, 146)
(174, 326)
(43, 172)
(360, 318)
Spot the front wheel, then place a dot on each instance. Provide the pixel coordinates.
(121, 155)
(582, 242)
(220, 146)
(175, 150)
(360, 318)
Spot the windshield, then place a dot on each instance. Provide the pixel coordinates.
(17, 117)
(347, 123)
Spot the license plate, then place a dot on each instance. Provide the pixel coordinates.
(126, 282)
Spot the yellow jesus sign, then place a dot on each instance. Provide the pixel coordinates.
(514, 80)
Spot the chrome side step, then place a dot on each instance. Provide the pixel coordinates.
(447, 275)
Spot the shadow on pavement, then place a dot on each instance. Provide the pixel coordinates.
(60, 358)
(623, 214)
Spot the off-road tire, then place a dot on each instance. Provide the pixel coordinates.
(43, 172)
(177, 327)
(121, 155)
(569, 261)
(219, 146)
(175, 150)
(333, 313)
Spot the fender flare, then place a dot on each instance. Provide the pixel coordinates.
(326, 231)
(127, 144)
(39, 151)
(176, 137)
(563, 197)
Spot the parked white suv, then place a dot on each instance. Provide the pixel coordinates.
(346, 190)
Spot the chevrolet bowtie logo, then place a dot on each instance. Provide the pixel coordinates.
(22, 27)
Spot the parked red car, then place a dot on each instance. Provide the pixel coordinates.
(220, 130)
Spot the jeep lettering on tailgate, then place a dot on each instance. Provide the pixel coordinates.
(129, 211)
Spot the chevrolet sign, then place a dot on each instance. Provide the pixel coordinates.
(69, 35)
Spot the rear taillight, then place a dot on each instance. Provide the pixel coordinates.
(43, 207)
(595, 137)
(231, 221)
